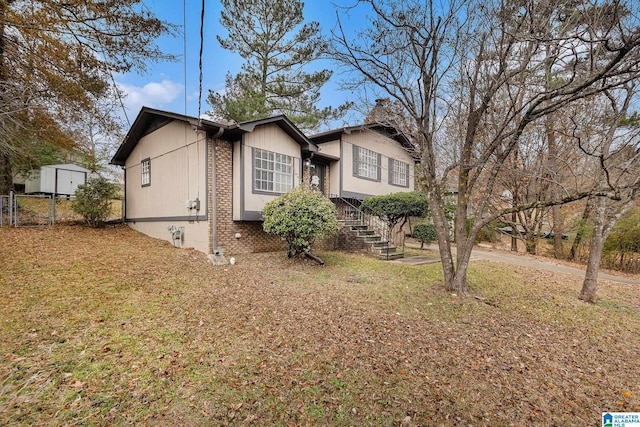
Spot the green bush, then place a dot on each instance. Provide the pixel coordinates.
(394, 207)
(93, 200)
(424, 233)
(298, 217)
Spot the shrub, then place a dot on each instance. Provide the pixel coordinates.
(298, 217)
(424, 233)
(93, 200)
(394, 207)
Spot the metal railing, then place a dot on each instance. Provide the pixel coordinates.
(347, 210)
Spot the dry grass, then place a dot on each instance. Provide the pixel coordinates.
(109, 327)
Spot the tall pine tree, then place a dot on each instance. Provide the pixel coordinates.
(276, 45)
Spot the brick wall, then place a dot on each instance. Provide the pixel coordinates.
(327, 189)
(252, 237)
(344, 239)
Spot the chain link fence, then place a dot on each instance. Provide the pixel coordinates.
(22, 210)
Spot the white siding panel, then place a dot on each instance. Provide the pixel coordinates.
(331, 148)
(177, 173)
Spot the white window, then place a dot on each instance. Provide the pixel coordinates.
(146, 172)
(398, 173)
(366, 163)
(273, 172)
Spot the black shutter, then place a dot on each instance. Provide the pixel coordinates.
(407, 175)
(356, 159)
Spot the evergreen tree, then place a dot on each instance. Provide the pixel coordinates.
(275, 43)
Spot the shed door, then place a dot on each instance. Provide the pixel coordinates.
(67, 181)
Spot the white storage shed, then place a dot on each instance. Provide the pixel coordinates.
(56, 179)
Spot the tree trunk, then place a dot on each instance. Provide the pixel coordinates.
(463, 255)
(558, 228)
(590, 284)
(580, 234)
(308, 254)
(6, 177)
(554, 187)
(514, 239)
(531, 242)
(464, 243)
(444, 243)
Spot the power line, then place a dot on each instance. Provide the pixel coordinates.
(200, 57)
(184, 50)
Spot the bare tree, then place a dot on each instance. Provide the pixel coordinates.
(432, 58)
(57, 58)
(616, 147)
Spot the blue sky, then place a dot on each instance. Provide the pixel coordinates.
(163, 85)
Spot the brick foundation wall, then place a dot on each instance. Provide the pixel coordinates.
(344, 239)
(252, 237)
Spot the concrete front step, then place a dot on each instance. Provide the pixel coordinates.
(396, 255)
(367, 233)
(363, 232)
(379, 247)
(385, 249)
(351, 222)
(357, 227)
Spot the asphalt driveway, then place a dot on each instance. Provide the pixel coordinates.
(520, 260)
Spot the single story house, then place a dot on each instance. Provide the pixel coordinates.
(207, 182)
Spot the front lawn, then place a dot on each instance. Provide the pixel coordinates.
(110, 327)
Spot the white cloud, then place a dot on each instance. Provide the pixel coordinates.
(153, 94)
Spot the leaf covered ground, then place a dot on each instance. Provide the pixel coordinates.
(110, 327)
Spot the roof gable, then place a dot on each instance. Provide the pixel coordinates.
(149, 120)
(282, 122)
(388, 131)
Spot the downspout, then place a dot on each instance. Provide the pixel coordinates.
(214, 203)
(124, 197)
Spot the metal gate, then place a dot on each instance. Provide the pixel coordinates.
(21, 210)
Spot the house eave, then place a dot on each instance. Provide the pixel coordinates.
(386, 130)
(150, 119)
(286, 125)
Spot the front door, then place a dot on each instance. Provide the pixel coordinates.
(316, 176)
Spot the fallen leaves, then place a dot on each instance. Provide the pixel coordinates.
(149, 334)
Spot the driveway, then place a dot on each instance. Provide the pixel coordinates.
(520, 260)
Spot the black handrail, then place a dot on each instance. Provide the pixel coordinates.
(374, 222)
